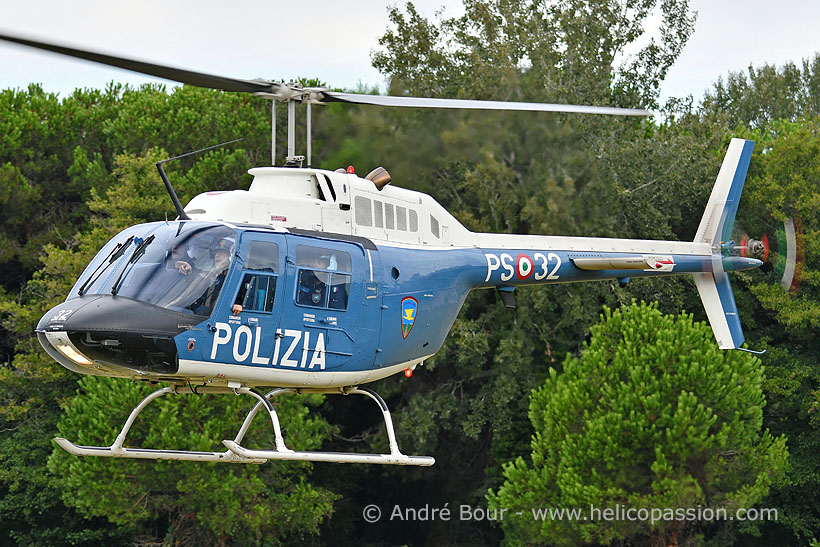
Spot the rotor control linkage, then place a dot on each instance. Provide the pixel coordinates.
(236, 453)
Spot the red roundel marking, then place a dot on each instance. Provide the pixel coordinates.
(524, 266)
(191, 345)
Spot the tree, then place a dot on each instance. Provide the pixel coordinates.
(650, 415)
(273, 503)
(766, 94)
(201, 503)
(783, 184)
(547, 51)
(514, 173)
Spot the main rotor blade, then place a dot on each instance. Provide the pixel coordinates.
(168, 73)
(420, 102)
(286, 92)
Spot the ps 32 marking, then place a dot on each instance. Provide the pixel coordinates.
(523, 266)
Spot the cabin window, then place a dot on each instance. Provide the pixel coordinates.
(263, 256)
(414, 220)
(323, 278)
(256, 292)
(434, 226)
(401, 218)
(378, 214)
(364, 213)
(389, 216)
(338, 291)
(320, 257)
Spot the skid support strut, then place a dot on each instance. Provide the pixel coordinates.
(235, 452)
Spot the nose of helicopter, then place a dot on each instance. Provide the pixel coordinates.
(101, 334)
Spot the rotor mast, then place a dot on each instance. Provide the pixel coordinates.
(301, 95)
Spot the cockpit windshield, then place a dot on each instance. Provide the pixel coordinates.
(180, 266)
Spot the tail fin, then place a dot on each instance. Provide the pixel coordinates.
(716, 295)
(716, 229)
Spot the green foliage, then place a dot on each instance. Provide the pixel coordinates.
(651, 414)
(204, 503)
(75, 171)
(783, 184)
(767, 94)
(188, 503)
(31, 510)
(553, 51)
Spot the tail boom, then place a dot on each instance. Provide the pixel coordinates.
(516, 260)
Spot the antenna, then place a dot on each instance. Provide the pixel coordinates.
(177, 205)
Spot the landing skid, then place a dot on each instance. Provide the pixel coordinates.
(235, 452)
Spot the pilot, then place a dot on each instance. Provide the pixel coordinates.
(240, 297)
(221, 255)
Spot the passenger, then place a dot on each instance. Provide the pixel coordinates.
(338, 287)
(180, 259)
(338, 293)
(312, 288)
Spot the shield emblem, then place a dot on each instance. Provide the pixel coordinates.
(409, 307)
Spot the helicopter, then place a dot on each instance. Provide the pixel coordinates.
(319, 281)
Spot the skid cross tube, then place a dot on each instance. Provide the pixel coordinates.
(116, 450)
(395, 457)
(235, 452)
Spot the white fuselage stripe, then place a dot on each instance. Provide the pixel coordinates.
(217, 373)
(571, 244)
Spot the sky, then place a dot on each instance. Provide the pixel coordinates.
(333, 40)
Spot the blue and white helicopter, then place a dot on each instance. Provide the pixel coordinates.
(322, 281)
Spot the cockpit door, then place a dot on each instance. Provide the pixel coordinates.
(247, 317)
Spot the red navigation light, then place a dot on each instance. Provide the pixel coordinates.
(350, 169)
(408, 372)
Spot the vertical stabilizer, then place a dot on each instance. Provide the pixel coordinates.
(716, 229)
(719, 217)
(716, 295)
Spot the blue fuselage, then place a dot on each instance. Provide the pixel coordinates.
(316, 309)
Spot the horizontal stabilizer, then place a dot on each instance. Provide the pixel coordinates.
(638, 262)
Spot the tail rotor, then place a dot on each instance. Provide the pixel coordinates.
(782, 253)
